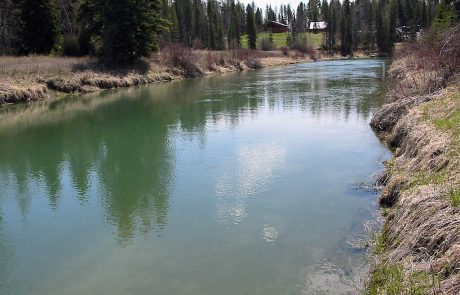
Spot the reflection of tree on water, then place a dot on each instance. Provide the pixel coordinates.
(118, 145)
(136, 169)
(131, 165)
(6, 256)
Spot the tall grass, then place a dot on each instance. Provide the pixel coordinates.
(12, 67)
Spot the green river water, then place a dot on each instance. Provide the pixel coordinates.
(246, 183)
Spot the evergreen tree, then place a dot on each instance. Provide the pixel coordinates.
(332, 21)
(259, 19)
(382, 37)
(392, 19)
(424, 14)
(234, 31)
(40, 31)
(216, 32)
(188, 23)
(130, 29)
(291, 38)
(91, 23)
(173, 27)
(313, 11)
(251, 27)
(199, 31)
(346, 29)
(445, 16)
(301, 18)
(9, 23)
(270, 14)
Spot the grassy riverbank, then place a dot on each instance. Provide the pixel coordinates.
(418, 250)
(25, 79)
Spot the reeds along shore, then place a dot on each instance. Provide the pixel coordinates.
(25, 79)
(418, 249)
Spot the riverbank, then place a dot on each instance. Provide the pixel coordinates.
(26, 79)
(33, 78)
(418, 249)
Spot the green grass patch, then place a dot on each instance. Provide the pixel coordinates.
(454, 196)
(381, 238)
(279, 39)
(452, 122)
(425, 178)
(390, 280)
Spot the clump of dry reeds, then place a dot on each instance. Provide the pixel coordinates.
(12, 94)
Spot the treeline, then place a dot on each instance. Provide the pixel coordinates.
(126, 30)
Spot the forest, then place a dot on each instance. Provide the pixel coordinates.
(126, 30)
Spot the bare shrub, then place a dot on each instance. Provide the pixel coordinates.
(426, 66)
(180, 56)
(285, 50)
(266, 44)
(302, 45)
(213, 59)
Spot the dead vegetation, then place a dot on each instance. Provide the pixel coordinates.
(25, 79)
(420, 243)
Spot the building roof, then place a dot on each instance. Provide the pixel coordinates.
(277, 24)
(318, 25)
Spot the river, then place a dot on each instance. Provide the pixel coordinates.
(245, 183)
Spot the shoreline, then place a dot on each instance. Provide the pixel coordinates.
(40, 83)
(418, 248)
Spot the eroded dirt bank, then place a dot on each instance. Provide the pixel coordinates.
(418, 250)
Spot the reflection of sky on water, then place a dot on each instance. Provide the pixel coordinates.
(223, 185)
(252, 173)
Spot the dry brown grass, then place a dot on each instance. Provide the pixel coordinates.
(427, 66)
(25, 79)
(422, 225)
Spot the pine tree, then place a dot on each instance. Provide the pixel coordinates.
(392, 19)
(173, 25)
(216, 32)
(188, 23)
(251, 27)
(40, 29)
(199, 32)
(382, 28)
(234, 31)
(301, 19)
(9, 23)
(346, 29)
(91, 23)
(130, 29)
(332, 22)
(259, 19)
(313, 12)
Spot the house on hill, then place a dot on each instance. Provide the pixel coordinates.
(276, 27)
(317, 27)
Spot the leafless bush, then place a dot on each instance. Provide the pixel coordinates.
(180, 56)
(245, 54)
(302, 45)
(285, 50)
(266, 44)
(426, 66)
(210, 59)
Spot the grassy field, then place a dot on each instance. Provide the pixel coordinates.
(280, 39)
